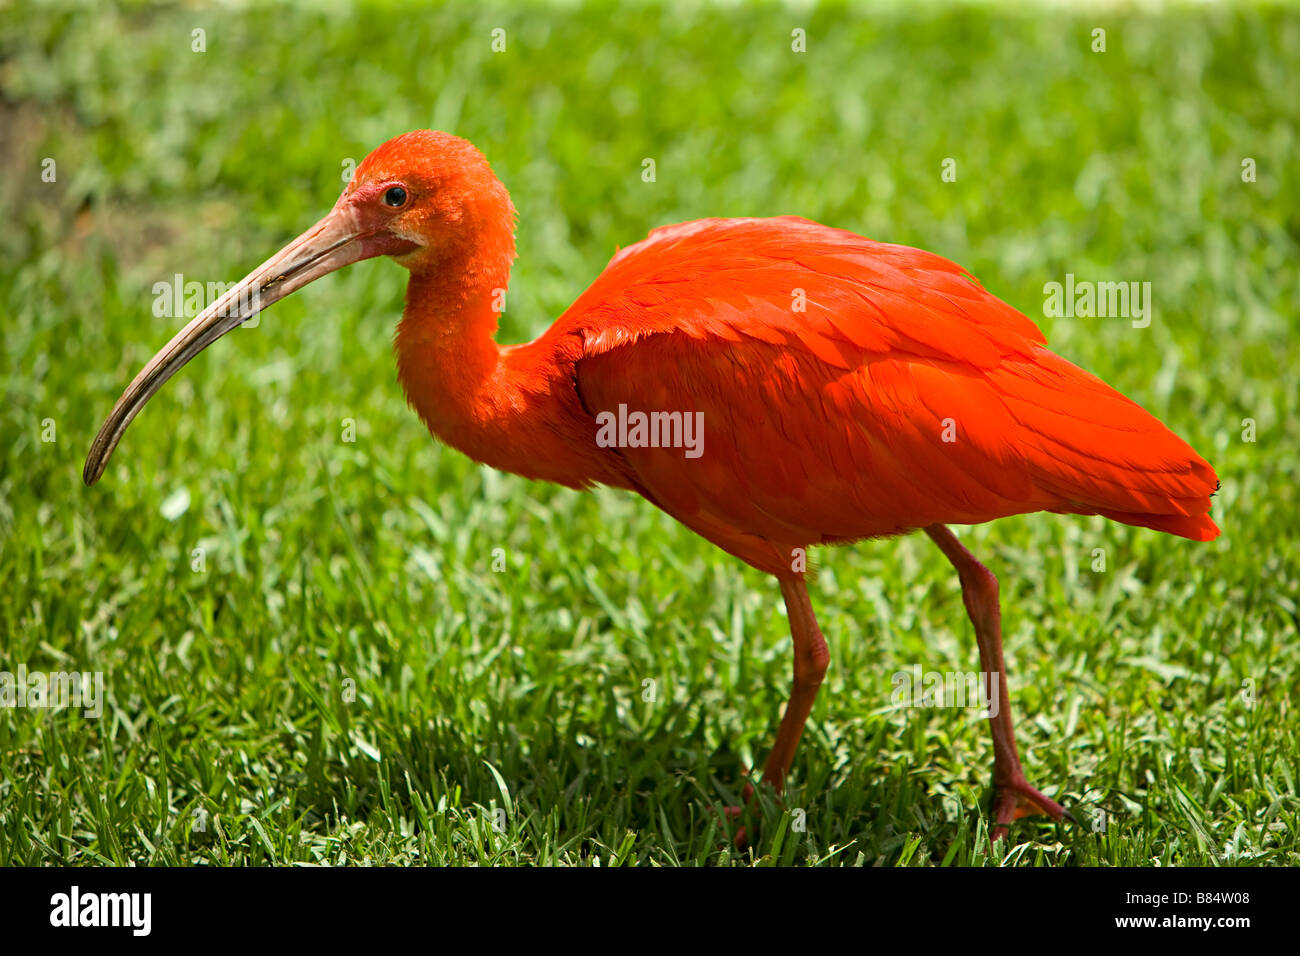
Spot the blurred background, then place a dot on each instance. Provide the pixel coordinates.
(140, 141)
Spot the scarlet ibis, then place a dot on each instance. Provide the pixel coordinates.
(845, 389)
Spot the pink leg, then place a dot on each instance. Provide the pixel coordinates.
(811, 658)
(1013, 797)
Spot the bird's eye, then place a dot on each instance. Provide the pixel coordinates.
(395, 197)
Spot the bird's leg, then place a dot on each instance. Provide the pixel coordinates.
(1013, 796)
(811, 657)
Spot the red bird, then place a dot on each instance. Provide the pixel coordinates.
(797, 385)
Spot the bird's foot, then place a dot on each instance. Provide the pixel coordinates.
(731, 814)
(1015, 798)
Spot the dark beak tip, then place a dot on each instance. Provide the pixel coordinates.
(96, 460)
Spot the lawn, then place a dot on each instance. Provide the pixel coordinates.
(326, 639)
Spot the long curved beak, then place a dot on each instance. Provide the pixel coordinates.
(337, 240)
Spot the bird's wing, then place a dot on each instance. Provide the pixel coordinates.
(848, 388)
(791, 281)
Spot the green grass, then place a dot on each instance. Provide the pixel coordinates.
(328, 561)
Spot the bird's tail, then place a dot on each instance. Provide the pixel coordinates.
(1198, 527)
(1099, 452)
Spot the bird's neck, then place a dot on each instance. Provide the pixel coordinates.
(504, 407)
(447, 355)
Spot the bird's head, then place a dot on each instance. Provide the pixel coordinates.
(432, 190)
(428, 199)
